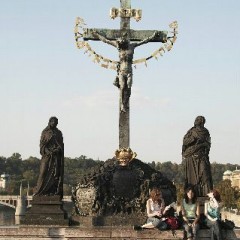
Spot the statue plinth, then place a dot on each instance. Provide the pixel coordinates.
(46, 210)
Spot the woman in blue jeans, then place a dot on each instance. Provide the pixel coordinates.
(155, 211)
(212, 213)
(191, 214)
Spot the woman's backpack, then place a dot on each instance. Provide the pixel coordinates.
(172, 223)
(227, 224)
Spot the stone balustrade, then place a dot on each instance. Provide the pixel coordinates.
(98, 233)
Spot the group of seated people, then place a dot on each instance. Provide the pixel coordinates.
(157, 213)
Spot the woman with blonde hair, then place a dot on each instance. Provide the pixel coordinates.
(156, 211)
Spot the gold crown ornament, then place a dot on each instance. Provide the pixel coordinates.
(125, 156)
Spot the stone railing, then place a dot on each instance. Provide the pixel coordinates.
(99, 233)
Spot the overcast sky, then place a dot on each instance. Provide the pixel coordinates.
(43, 74)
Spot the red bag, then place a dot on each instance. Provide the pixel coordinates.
(172, 223)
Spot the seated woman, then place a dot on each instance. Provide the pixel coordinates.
(212, 213)
(156, 211)
(191, 214)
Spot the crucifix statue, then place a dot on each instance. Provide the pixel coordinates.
(125, 40)
(124, 68)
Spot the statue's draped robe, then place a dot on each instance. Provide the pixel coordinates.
(50, 180)
(197, 168)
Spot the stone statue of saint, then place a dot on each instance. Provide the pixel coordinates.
(195, 153)
(124, 69)
(50, 180)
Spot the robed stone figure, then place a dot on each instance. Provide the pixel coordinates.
(195, 153)
(50, 180)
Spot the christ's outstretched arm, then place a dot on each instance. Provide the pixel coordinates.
(146, 40)
(104, 39)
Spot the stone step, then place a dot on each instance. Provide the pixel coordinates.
(99, 233)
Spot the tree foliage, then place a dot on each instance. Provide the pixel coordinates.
(26, 171)
(228, 193)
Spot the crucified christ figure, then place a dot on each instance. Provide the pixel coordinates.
(124, 68)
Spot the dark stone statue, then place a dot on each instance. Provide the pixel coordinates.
(50, 180)
(195, 153)
(120, 187)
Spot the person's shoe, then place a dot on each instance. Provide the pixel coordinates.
(137, 228)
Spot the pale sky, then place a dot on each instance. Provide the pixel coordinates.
(43, 74)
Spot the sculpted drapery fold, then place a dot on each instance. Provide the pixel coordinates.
(50, 180)
(195, 152)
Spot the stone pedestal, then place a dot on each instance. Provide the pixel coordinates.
(46, 210)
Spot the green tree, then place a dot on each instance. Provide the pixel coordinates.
(3, 164)
(13, 165)
(29, 176)
(227, 193)
(16, 156)
(152, 164)
(167, 170)
(77, 167)
(13, 187)
(172, 171)
(218, 169)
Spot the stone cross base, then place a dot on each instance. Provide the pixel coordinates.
(46, 210)
(99, 233)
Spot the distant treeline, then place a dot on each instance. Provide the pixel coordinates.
(27, 170)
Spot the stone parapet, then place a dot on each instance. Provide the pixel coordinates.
(98, 233)
(123, 220)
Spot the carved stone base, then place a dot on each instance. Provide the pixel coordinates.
(112, 190)
(46, 210)
(127, 220)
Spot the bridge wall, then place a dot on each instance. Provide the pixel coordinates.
(11, 200)
(7, 204)
(98, 233)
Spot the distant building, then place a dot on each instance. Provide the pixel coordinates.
(4, 179)
(233, 176)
